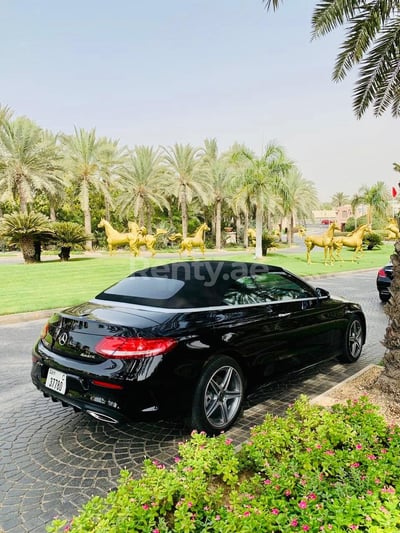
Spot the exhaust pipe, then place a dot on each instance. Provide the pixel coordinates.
(102, 417)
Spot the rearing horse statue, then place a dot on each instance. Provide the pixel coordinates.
(324, 241)
(352, 240)
(115, 238)
(392, 229)
(197, 241)
(145, 239)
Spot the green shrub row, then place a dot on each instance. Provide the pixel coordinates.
(313, 470)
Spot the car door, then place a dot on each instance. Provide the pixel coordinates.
(273, 320)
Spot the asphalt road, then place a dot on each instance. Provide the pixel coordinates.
(53, 460)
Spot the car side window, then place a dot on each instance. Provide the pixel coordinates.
(274, 286)
(243, 291)
(265, 288)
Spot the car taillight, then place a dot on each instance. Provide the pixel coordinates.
(382, 273)
(44, 331)
(133, 347)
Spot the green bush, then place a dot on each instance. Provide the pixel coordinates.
(312, 470)
(372, 240)
(269, 240)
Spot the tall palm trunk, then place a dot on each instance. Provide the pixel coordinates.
(389, 380)
(259, 231)
(218, 224)
(184, 212)
(87, 218)
(23, 200)
(246, 228)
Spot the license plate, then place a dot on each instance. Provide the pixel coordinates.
(56, 381)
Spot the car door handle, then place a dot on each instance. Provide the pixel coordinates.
(282, 315)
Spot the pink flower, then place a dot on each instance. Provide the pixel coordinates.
(275, 511)
(177, 459)
(156, 531)
(303, 504)
(145, 506)
(246, 513)
(329, 452)
(353, 526)
(267, 482)
(312, 496)
(189, 504)
(228, 442)
(358, 446)
(355, 465)
(305, 528)
(288, 493)
(294, 523)
(388, 490)
(217, 517)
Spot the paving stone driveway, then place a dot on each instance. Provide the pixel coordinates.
(53, 460)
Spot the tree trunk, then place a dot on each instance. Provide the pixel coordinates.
(246, 228)
(259, 231)
(389, 380)
(27, 246)
(65, 253)
(184, 213)
(290, 230)
(86, 213)
(218, 225)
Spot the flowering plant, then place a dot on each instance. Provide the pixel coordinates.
(312, 470)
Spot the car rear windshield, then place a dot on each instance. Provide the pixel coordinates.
(162, 292)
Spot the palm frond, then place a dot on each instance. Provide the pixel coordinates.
(379, 79)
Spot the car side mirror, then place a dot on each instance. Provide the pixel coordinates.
(322, 293)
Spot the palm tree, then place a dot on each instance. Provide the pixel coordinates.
(377, 199)
(187, 177)
(84, 164)
(262, 179)
(371, 41)
(143, 184)
(219, 179)
(299, 199)
(30, 161)
(26, 230)
(112, 159)
(5, 114)
(67, 236)
(339, 199)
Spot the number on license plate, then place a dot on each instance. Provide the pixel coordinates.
(56, 381)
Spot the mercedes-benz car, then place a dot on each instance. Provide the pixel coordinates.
(190, 337)
(384, 281)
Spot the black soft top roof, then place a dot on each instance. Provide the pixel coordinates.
(184, 284)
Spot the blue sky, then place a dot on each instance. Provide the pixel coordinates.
(165, 71)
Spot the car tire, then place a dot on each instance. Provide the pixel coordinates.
(218, 398)
(384, 297)
(353, 340)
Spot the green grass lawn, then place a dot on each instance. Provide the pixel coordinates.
(54, 284)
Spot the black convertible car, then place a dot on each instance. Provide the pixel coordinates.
(188, 338)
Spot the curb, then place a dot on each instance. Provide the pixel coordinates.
(325, 399)
(26, 317)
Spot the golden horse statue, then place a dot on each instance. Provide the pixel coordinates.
(352, 240)
(251, 233)
(324, 241)
(392, 228)
(197, 241)
(116, 238)
(145, 239)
